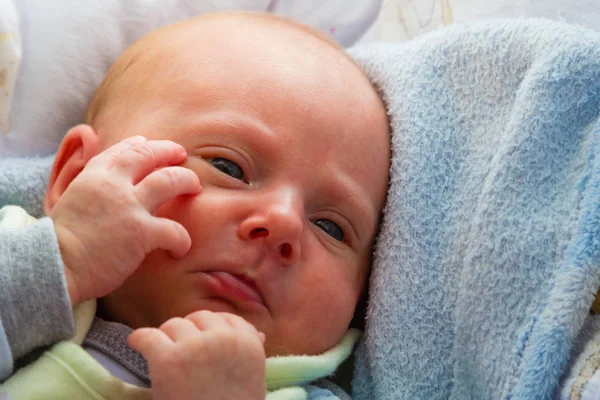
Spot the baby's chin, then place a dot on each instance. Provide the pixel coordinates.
(278, 341)
(304, 342)
(214, 305)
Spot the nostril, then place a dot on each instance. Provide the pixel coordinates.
(286, 250)
(259, 232)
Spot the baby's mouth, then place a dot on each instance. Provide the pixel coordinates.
(235, 287)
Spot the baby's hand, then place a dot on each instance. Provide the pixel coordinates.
(104, 220)
(204, 355)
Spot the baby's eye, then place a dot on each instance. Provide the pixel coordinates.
(331, 228)
(227, 167)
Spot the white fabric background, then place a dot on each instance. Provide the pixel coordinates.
(68, 45)
(404, 19)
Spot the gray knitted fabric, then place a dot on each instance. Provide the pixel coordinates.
(29, 258)
(110, 338)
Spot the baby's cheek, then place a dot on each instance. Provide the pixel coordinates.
(184, 209)
(174, 208)
(333, 323)
(340, 296)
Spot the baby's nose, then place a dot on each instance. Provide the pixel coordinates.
(279, 225)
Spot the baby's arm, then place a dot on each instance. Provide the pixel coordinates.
(204, 355)
(35, 309)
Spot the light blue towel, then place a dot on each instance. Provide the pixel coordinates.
(489, 255)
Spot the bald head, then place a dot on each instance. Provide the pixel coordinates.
(307, 140)
(210, 45)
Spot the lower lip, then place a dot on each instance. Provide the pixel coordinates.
(229, 287)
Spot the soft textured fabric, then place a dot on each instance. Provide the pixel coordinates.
(68, 371)
(115, 368)
(326, 389)
(107, 342)
(23, 182)
(10, 59)
(69, 45)
(583, 370)
(6, 360)
(488, 258)
(110, 339)
(29, 258)
(401, 20)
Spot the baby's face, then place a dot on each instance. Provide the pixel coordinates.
(291, 148)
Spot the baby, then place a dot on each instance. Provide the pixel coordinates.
(222, 199)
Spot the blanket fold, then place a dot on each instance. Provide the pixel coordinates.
(489, 254)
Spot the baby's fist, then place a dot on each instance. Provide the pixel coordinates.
(105, 221)
(206, 354)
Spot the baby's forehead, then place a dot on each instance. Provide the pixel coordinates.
(167, 50)
(199, 69)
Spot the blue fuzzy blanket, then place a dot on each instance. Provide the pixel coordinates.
(489, 254)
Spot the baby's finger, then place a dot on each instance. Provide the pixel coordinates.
(168, 235)
(107, 158)
(241, 325)
(165, 184)
(148, 341)
(179, 328)
(140, 159)
(207, 320)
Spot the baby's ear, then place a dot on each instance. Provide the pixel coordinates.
(79, 145)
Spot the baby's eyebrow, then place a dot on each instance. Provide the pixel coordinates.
(230, 124)
(352, 198)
